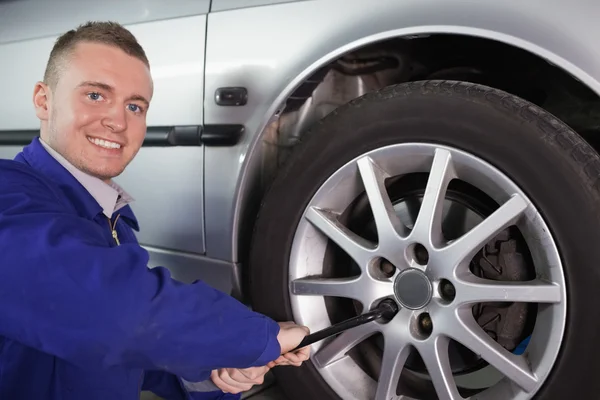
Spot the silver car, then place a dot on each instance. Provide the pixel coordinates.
(313, 158)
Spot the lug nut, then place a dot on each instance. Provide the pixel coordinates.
(447, 290)
(421, 254)
(425, 324)
(387, 268)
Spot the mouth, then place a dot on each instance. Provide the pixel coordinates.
(106, 144)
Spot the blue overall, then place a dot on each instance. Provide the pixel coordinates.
(84, 318)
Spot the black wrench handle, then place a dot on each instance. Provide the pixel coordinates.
(340, 327)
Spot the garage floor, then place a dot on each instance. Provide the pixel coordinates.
(267, 391)
(270, 393)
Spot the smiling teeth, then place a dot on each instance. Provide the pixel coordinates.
(104, 143)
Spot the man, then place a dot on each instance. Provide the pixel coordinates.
(81, 314)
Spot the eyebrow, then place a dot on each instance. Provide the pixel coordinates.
(140, 98)
(109, 88)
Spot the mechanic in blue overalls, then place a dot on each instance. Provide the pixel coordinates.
(81, 314)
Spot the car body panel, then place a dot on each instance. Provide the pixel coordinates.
(226, 5)
(29, 19)
(272, 49)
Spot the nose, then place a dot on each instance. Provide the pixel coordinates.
(116, 119)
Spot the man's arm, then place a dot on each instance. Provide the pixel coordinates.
(65, 293)
(232, 381)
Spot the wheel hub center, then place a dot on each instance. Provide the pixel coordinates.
(413, 289)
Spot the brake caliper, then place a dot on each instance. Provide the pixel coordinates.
(504, 258)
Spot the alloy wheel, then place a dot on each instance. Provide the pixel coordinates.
(428, 276)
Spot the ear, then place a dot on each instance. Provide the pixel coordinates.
(41, 100)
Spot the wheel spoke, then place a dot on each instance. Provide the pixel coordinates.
(395, 353)
(428, 227)
(334, 287)
(514, 367)
(387, 222)
(362, 288)
(469, 244)
(343, 343)
(477, 290)
(360, 249)
(435, 356)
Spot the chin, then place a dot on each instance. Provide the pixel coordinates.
(105, 173)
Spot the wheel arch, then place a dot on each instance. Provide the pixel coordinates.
(244, 211)
(591, 81)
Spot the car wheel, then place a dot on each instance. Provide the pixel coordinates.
(474, 210)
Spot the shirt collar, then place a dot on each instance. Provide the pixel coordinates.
(92, 195)
(111, 197)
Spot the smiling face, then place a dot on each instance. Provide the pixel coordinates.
(95, 116)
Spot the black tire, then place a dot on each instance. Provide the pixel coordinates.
(554, 166)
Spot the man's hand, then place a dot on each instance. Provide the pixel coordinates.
(235, 380)
(290, 335)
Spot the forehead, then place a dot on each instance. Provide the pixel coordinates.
(108, 65)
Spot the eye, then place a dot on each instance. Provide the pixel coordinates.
(134, 108)
(95, 96)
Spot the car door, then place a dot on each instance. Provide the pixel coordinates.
(166, 178)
